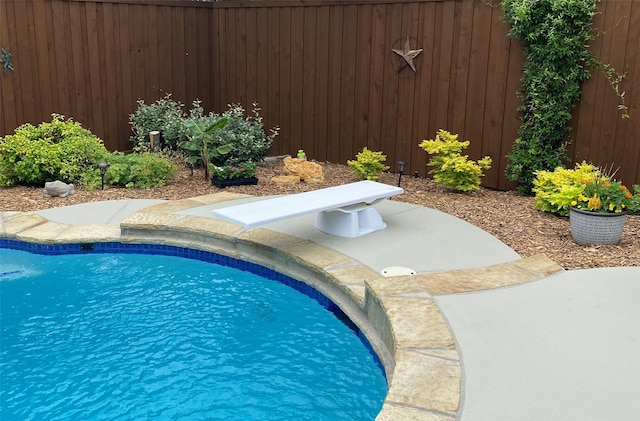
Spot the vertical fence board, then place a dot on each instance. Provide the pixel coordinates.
(296, 79)
(150, 46)
(478, 61)
(25, 93)
(108, 78)
(273, 73)
(493, 104)
(262, 61)
(395, 39)
(378, 64)
(407, 80)
(348, 79)
(8, 106)
(631, 138)
(363, 67)
(47, 77)
(252, 57)
(318, 148)
(165, 52)
(309, 69)
(191, 56)
(95, 71)
(423, 130)
(283, 145)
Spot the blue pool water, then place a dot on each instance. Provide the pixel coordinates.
(134, 336)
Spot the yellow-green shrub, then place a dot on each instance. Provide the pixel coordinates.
(555, 190)
(368, 164)
(449, 167)
(58, 150)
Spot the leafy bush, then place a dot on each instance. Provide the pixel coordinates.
(58, 150)
(246, 136)
(166, 116)
(555, 190)
(368, 164)
(137, 170)
(450, 167)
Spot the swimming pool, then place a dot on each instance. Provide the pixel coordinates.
(131, 341)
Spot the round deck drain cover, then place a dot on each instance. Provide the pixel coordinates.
(397, 271)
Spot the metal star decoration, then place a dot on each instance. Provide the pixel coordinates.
(408, 55)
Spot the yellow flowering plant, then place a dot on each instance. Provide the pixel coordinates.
(605, 195)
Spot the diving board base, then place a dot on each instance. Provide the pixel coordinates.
(350, 222)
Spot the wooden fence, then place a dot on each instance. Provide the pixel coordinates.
(321, 70)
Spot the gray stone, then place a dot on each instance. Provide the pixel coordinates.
(57, 188)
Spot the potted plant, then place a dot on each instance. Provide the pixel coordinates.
(598, 214)
(234, 175)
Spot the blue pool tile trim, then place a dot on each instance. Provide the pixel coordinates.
(204, 256)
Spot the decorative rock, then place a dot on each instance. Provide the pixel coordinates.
(291, 165)
(309, 172)
(286, 180)
(57, 188)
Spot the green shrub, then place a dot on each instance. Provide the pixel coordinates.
(451, 168)
(166, 116)
(58, 150)
(368, 164)
(137, 170)
(555, 190)
(246, 136)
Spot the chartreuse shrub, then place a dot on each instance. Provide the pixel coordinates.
(556, 190)
(368, 164)
(585, 187)
(555, 36)
(63, 150)
(449, 166)
(58, 150)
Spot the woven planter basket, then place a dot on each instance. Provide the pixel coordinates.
(596, 228)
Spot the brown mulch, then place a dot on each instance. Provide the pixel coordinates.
(507, 215)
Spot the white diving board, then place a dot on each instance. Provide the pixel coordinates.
(347, 210)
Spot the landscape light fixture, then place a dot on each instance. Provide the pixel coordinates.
(401, 165)
(103, 170)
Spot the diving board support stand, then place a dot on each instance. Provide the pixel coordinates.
(350, 221)
(346, 211)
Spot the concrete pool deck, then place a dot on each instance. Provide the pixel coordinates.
(478, 333)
